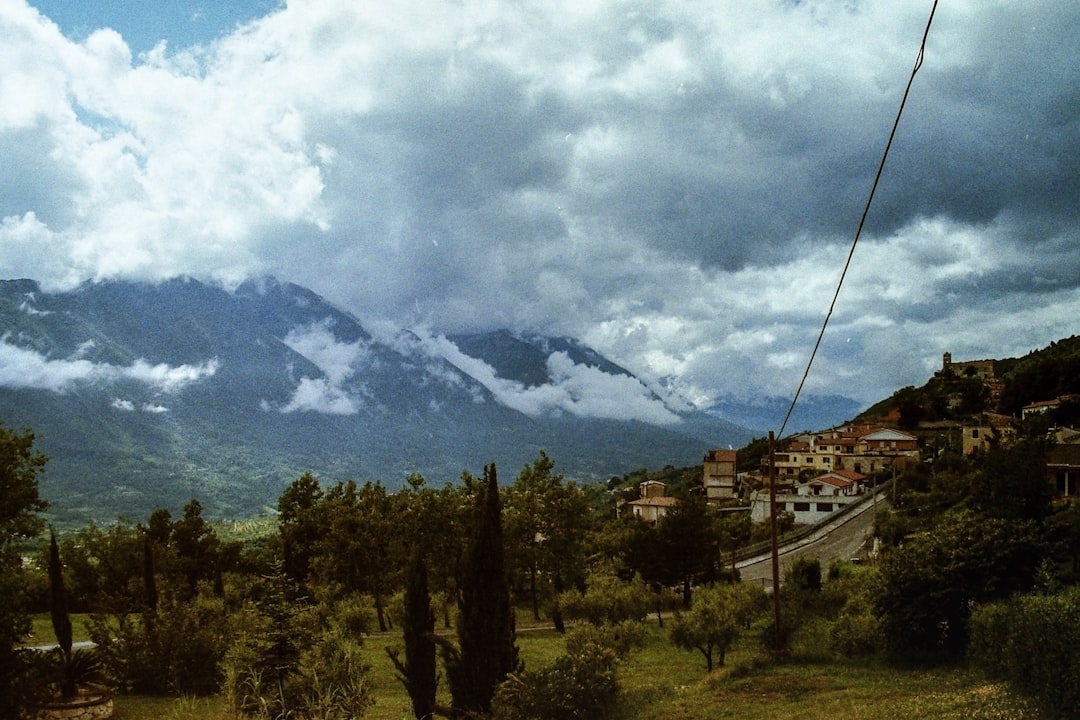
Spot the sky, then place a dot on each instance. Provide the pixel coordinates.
(676, 184)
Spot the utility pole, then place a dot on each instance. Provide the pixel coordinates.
(775, 545)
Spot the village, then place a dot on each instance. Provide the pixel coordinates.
(818, 474)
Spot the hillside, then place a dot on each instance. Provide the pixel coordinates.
(966, 391)
(148, 395)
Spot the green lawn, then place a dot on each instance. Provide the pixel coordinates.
(42, 630)
(662, 682)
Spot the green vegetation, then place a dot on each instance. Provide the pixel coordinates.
(545, 604)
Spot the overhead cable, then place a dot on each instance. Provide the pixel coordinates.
(862, 220)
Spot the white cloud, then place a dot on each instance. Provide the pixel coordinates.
(338, 361)
(674, 182)
(318, 344)
(319, 395)
(24, 368)
(575, 389)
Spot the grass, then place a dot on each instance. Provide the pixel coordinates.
(41, 629)
(662, 682)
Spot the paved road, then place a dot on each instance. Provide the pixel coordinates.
(837, 541)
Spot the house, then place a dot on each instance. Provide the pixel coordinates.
(1044, 406)
(1063, 467)
(720, 478)
(976, 437)
(653, 502)
(814, 500)
(831, 484)
(862, 448)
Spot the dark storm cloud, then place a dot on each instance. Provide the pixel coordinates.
(676, 183)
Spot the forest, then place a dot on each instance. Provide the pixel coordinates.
(979, 566)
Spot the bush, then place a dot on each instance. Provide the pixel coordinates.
(579, 684)
(608, 600)
(175, 650)
(1034, 641)
(623, 638)
(856, 631)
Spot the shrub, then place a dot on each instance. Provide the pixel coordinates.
(608, 600)
(579, 684)
(175, 650)
(856, 631)
(1034, 640)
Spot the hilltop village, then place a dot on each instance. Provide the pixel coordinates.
(820, 473)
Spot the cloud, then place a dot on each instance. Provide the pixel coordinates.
(675, 183)
(321, 396)
(574, 389)
(332, 394)
(24, 368)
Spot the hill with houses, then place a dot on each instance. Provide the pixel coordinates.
(965, 408)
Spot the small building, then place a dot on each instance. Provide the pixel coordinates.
(812, 501)
(653, 502)
(720, 478)
(1063, 466)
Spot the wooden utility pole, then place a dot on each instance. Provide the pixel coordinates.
(775, 545)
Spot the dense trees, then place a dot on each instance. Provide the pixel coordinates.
(20, 506)
(278, 624)
(546, 524)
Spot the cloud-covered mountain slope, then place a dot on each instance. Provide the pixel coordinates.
(145, 395)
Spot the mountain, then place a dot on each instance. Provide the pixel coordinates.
(812, 412)
(146, 395)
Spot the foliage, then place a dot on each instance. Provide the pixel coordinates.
(607, 600)
(716, 618)
(20, 504)
(175, 649)
(623, 638)
(579, 684)
(418, 672)
(1034, 642)
(486, 651)
(1041, 375)
(295, 660)
(546, 522)
(930, 583)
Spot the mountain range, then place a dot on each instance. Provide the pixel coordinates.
(146, 395)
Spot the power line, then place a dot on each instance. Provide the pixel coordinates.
(862, 220)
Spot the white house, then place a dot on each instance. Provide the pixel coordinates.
(814, 500)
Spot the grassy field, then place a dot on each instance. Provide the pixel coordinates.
(665, 683)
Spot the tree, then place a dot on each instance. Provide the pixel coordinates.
(58, 612)
(300, 525)
(688, 545)
(546, 523)
(197, 549)
(361, 549)
(486, 651)
(930, 584)
(20, 504)
(714, 621)
(418, 673)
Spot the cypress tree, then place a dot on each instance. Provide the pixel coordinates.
(418, 673)
(486, 652)
(58, 610)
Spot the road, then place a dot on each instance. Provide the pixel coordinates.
(841, 540)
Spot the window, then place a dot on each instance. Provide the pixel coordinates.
(975, 433)
(802, 507)
(824, 507)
